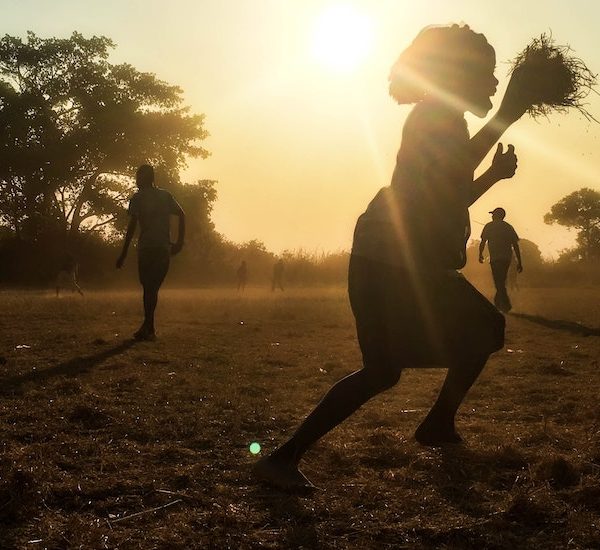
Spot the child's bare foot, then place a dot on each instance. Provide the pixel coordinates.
(281, 474)
(144, 333)
(436, 434)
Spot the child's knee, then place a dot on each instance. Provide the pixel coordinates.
(382, 380)
(486, 339)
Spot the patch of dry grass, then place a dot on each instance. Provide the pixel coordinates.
(109, 444)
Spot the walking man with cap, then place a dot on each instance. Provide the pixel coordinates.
(502, 239)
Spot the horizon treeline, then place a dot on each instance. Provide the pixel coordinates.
(73, 129)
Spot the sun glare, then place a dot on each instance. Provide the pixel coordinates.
(342, 37)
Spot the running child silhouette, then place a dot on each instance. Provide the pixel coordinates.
(68, 275)
(412, 307)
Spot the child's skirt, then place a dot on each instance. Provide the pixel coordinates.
(420, 318)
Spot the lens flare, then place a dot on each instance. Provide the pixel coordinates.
(255, 448)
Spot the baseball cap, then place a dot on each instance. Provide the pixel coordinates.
(498, 210)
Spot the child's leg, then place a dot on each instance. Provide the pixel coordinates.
(150, 302)
(153, 267)
(438, 427)
(468, 347)
(345, 397)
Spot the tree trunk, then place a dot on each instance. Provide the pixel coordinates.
(77, 218)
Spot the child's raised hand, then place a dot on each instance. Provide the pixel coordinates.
(504, 165)
(516, 99)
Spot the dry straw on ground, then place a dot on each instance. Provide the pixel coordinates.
(109, 443)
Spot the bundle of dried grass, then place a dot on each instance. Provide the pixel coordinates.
(553, 78)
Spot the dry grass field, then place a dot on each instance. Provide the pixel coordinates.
(107, 443)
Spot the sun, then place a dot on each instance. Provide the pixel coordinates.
(342, 37)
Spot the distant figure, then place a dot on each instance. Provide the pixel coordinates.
(502, 239)
(277, 281)
(68, 275)
(152, 207)
(412, 307)
(242, 276)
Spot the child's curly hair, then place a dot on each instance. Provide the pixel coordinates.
(437, 58)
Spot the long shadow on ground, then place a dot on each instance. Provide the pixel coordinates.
(72, 367)
(290, 523)
(465, 479)
(569, 326)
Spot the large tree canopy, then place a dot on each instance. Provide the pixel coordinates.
(581, 211)
(73, 128)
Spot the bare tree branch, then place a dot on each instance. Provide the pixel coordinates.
(99, 224)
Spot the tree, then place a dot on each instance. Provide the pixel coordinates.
(73, 128)
(531, 254)
(203, 250)
(580, 210)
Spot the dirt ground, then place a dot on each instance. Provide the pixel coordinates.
(107, 443)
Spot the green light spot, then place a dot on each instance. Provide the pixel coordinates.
(255, 448)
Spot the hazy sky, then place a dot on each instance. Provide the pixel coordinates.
(299, 147)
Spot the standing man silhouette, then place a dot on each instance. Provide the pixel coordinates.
(152, 207)
(242, 276)
(502, 239)
(277, 281)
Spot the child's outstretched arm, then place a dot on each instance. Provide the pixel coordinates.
(513, 107)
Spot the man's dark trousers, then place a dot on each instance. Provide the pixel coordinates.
(500, 272)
